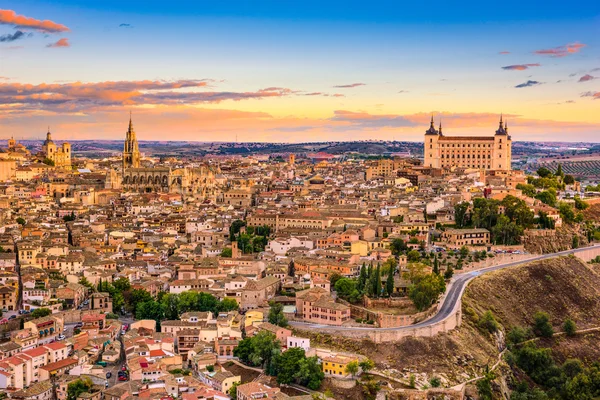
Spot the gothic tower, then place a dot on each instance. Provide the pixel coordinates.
(131, 152)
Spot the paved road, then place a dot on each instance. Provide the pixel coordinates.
(452, 298)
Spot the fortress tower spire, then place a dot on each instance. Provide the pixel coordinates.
(131, 152)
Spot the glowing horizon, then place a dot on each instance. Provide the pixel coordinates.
(274, 73)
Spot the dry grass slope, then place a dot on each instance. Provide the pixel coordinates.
(563, 287)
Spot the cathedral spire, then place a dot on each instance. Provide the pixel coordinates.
(440, 130)
(431, 125)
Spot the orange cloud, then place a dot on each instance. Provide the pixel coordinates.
(561, 51)
(504, 52)
(520, 67)
(9, 17)
(64, 42)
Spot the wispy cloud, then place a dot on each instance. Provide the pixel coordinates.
(403, 91)
(9, 17)
(15, 36)
(124, 25)
(520, 67)
(595, 95)
(351, 85)
(587, 78)
(359, 120)
(64, 42)
(528, 84)
(504, 52)
(561, 51)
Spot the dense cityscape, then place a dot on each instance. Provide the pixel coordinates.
(244, 200)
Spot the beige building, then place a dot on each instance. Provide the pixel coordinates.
(456, 238)
(483, 152)
(8, 169)
(60, 156)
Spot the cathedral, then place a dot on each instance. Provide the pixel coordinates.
(60, 156)
(482, 152)
(158, 179)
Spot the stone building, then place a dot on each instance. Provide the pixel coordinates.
(483, 152)
(60, 156)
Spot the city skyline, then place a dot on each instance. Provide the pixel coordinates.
(272, 72)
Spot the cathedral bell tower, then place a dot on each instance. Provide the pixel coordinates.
(131, 152)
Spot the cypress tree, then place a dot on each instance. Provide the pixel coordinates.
(389, 283)
(436, 266)
(362, 279)
(377, 281)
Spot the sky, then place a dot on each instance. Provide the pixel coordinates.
(289, 71)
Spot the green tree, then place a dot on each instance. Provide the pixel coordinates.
(310, 373)
(464, 251)
(449, 272)
(40, 312)
(488, 322)
(170, 301)
(334, 277)
(79, 386)
(227, 252)
(544, 172)
(580, 204)
(366, 365)
(426, 291)
(568, 180)
(21, 221)
(389, 283)
(575, 242)
(276, 316)
(83, 281)
(435, 382)
(352, 368)
(413, 256)
(150, 310)
(484, 386)
(122, 284)
(397, 246)
(235, 227)
(377, 287)
(547, 197)
(570, 327)
(541, 325)
(287, 365)
(232, 392)
(461, 216)
(559, 171)
(137, 296)
(227, 304)
(436, 265)
(362, 278)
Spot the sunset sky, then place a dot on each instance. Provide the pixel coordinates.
(299, 70)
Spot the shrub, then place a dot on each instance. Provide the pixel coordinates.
(569, 327)
(435, 382)
(488, 322)
(541, 325)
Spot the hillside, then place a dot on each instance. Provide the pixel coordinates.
(563, 287)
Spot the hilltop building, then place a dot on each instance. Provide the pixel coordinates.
(60, 156)
(483, 152)
(131, 151)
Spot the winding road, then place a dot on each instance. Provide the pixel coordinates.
(452, 298)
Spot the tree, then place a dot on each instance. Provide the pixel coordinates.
(377, 287)
(435, 382)
(227, 304)
(541, 325)
(575, 242)
(137, 296)
(397, 246)
(21, 221)
(292, 269)
(436, 265)
(464, 251)
(413, 256)
(310, 373)
(559, 171)
(488, 322)
(150, 310)
(170, 301)
(366, 365)
(83, 281)
(79, 386)
(235, 227)
(448, 273)
(547, 197)
(227, 252)
(232, 392)
(334, 277)
(287, 365)
(122, 284)
(568, 180)
(352, 368)
(461, 216)
(389, 284)
(484, 386)
(544, 172)
(569, 327)
(362, 278)
(276, 316)
(40, 312)
(580, 204)
(426, 291)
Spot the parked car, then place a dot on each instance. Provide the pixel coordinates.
(3, 321)
(108, 375)
(12, 317)
(123, 368)
(61, 337)
(123, 378)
